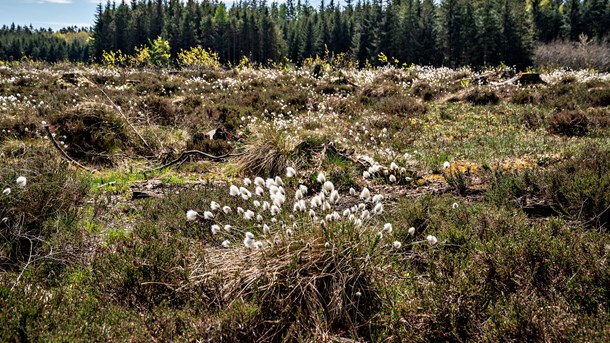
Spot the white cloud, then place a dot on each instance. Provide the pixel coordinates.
(61, 2)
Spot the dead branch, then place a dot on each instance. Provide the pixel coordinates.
(187, 153)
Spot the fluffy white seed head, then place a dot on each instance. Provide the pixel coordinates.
(214, 205)
(278, 181)
(290, 172)
(346, 212)
(396, 245)
(240, 210)
(411, 231)
(378, 198)
(226, 209)
(352, 191)
(233, 191)
(259, 191)
(431, 240)
(22, 181)
(259, 181)
(446, 165)
(208, 215)
(6, 191)
(249, 235)
(387, 228)
(226, 243)
(366, 174)
(392, 178)
(328, 186)
(334, 197)
(321, 178)
(365, 194)
(228, 228)
(256, 203)
(378, 208)
(266, 229)
(289, 232)
(215, 229)
(191, 215)
(247, 182)
(303, 189)
(393, 166)
(455, 205)
(298, 195)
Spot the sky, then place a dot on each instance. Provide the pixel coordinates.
(53, 14)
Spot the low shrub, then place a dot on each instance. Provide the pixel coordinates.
(35, 217)
(92, 132)
(568, 123)
(482, 96)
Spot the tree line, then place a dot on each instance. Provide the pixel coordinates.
(17, 42)
(446, 32)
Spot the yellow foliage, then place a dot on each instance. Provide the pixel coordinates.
(199, 57)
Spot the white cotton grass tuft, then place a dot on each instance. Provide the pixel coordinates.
(290, 172)
(228, 228)
(387, 228)
(233, 191)
(365, 194)
(366, 174)
(446, 165)
(214, 206)
(392, 178)
(278, 181)
(215, 229)
(378, 209)
(455, 205)
(191, 215)
(226, 243)
(226, 209)
(411, 231)
(247, 182)
(393, 166)
(321, 178)
(378, 198)
(208, 215)
(259, 191)
(289, 232)
(396, 245)
(303, 189)
(6, 191)
(22, 181)
(249, 241)
(259, 181)
(352, 191)
(431, 240)
(328, 186)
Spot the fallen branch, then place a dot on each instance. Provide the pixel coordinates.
(64, 154)
(187, 153)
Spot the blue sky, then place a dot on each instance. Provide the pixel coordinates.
(48, 13)
(54, 13)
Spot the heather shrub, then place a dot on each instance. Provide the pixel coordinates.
(38, 214)
(568, 123)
